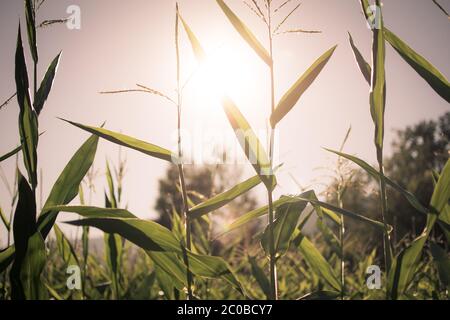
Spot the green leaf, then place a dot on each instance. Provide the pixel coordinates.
(223, 198)
(46, 85)
(378, 84)
(10, 154)
(28, 125)
(252, 147)
(364, 67)
(292, 96)
(195, 43)
(317, 263)
(30, 256)
(424, 68)
(67, 185)
(65, 248)
(442, 261)
(113, 254)
(286, 219)
(260, 276)
(129, 142)
(344, 212)
(245, 33)
(376, 175)
(441, 193)
(110, 181)
(146, 234)
(169, 264)
(31, 28)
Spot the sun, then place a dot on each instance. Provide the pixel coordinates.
(224, 72)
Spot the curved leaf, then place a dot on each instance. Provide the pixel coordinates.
(245, 33)
(291, 97)
(129, 142)
(67, 185)
(252, 147)
(364, 67)
(317, 263)
(424, 68)
(10, 154)
(195, 43)
(223, 198)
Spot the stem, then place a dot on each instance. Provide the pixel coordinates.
(387, 245)
(273, 266)
(341, 239)
(187, 224)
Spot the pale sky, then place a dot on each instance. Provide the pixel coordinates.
(123, 43)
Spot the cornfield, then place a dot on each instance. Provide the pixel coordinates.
(279, 260)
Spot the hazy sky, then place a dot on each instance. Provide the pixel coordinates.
(122, 43)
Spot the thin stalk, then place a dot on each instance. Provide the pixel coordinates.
(187, 224)
(341, 240)
(387, 245)
(273, 266)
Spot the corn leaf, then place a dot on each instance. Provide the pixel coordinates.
(376, 175)
(65, 248)
(4, 220)
(46, 85)
(363, 65)
(28, 126)
(378, 85)
(10, 154)
(30, 253)
(67, 185)
(286, 219)
(199, 53)
(292, 96)
(223, 198)
(424, 68)
(129, 142)
(245, 33)
(260, 276)
(31, 29)
(252, 147)
(317, 263)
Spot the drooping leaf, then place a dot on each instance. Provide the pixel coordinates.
(31, 29)
(376, 175)
(46, 85)
(67, 185)
(195, 43)
(223, 198)
(65, 248)
(28, 125)
(146, 234)
(245, 33)
(424, 68)
(252, 147)
(286, 219)
(10, 154)
(363, 65)
(129, 142)
(344, 212)
(317, 263)
(291, 97)
(260, 276)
